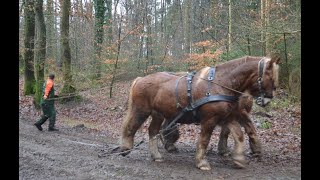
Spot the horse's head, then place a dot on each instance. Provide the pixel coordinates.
(264, 88)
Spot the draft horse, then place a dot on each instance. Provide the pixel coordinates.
(169, 135)
(245, 102)
(207, 97)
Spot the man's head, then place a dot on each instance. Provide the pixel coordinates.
(51, 76)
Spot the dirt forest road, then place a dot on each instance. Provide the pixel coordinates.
(77, 153)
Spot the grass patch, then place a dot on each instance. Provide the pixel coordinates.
(266, 125)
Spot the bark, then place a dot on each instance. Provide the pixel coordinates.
(229, 26)
(50, 30)
(118, 54)
(29, 27)
(109, 21)
(187, 35)
(99, 21)
(41, 51)
(65, 49)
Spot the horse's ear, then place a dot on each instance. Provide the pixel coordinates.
(275, 58)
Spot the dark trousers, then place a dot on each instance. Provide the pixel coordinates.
(49, 112)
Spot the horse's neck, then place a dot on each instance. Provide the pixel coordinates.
(237, 76)
(242, 77)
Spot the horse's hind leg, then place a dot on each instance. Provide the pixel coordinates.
(223, 141)
(170, 136)
(131, 124)
(238, 152)
(154, 128)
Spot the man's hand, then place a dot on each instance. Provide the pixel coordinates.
(44, 97)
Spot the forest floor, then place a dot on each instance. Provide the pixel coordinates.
(90, 128)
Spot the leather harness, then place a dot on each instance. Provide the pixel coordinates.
(193, 105)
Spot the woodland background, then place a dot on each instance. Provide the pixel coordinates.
(96, 43)
(97, 47)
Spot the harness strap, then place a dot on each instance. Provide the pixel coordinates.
(211, 98)
(189, 86)
(261, 66)
(189, 91)
(211, 74)
(200, 102)
(177, 92)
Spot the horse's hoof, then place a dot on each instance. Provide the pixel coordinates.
(256, 154)
(158, 160)
(157, 157)
(225, 153)
(204, 165)
(171, 148)
(205, 168)
(240, 162)
(124, 151)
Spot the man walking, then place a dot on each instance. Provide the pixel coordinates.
(47, 105)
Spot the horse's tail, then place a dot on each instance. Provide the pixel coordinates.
(128, 121)
(130, 93)
(129, 110)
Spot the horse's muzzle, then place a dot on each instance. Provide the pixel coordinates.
(263, 101)
(266, 101)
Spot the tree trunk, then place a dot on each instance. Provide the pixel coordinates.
(100, 9)
(149, 39)
(118, 54)
(41, 52)
(264, 26)
(229, 27)
(109, 21)
(65, 49)
(57, 27)
(50, 30)
(187, 26)
(29, 27)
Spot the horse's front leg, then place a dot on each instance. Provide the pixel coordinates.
(238, 152)
(223, 141)
(207, 127)
(154, 128)
(255, 144)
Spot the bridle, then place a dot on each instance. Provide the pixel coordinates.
(260, 99)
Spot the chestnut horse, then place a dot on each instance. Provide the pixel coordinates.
(170, 135)
(162, 95)
(245, 102)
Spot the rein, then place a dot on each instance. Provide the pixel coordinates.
(225, 86)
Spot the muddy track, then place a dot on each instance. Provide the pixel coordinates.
(77, 153)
